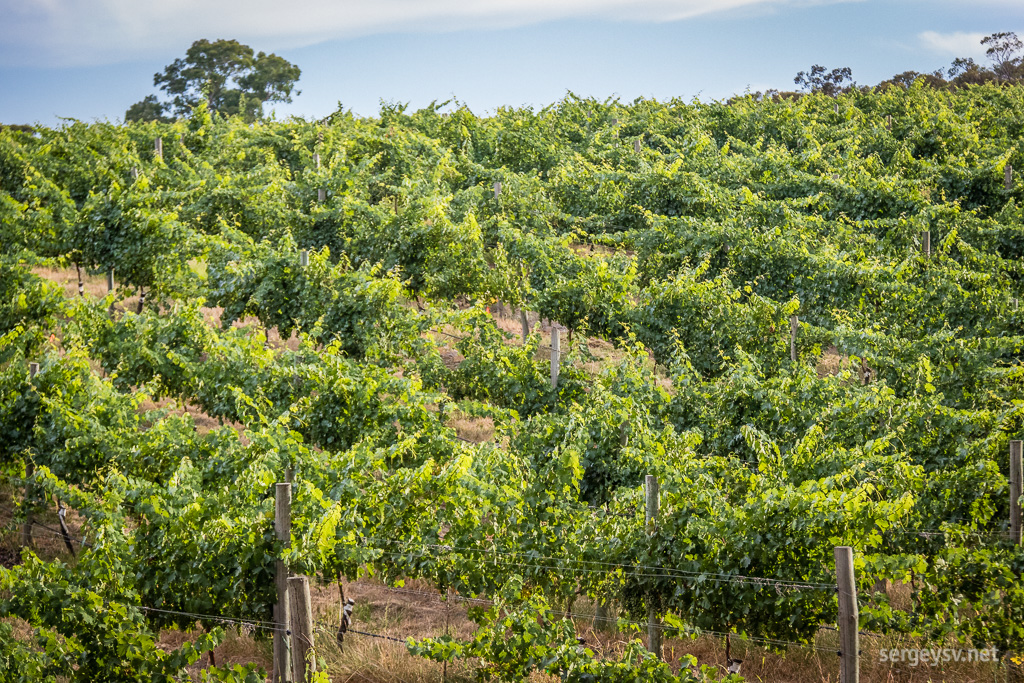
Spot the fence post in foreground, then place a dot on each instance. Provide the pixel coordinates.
(849, 636)
(1015, 492)
(303, 656)
(282, 622)
(653, 624)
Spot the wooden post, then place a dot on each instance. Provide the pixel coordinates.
(888, 121)
(81, 287)
(837, 107)
(525, 320)
(282, 610)
(653, 625)
(1015, 492)
(303, 655)
(794, 327)
(555, 353)
(110, 289)
(304, 258)
(1008, 177)
(142, 299)
(158, 148)
(926, 243)
(135, 172)
(321, 194)
(636, 145)
(497, 189)
(849, 625)
(61, 510)
(33, 370)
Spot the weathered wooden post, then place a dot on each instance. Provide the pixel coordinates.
(653, 504)
(1015, 492)
(849, 625)
(158, 148)
(321, 193)
(926, 243)
(794, 328)
(555, 356)
(64, 532)
(303, 654)
(282, 610)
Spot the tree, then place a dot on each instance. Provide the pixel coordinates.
(1002, 50)
(823, 81)
(148, 109)
(908, 78)
(228, 74)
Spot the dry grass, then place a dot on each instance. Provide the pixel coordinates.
(830, 363)
(475, 429)
(417, 610)
(93, 285)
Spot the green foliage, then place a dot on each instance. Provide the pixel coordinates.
(80, 633)
(676, 270)
(211, 69)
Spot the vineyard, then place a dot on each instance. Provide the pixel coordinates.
(654, 360)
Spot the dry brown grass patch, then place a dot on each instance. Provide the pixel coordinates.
(475, 429)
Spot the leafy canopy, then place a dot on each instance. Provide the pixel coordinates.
(228, 74)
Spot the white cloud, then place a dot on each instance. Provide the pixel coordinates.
(85, 32)
(959, 44)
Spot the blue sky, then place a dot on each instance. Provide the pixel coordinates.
(91, 59)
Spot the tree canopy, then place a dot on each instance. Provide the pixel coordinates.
(229, 75)
(819, 79)
(1003, 50)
